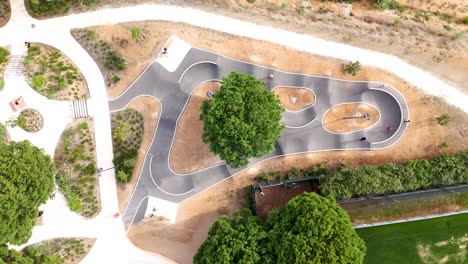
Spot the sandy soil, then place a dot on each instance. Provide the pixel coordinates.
(295, 99)
(189, 153)
(437, 44)
(150, 109)
(348, 117)
(423, 138)
(274, 197)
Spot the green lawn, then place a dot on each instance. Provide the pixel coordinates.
(438, 240)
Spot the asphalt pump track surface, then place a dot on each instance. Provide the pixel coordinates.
(303, 133)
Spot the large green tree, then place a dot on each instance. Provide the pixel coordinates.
(26, 181)
(313, 229)
(238, 240)
(308, 229)
(242, 120)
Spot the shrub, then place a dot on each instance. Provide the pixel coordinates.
(74, 203)
(251, 1)
(113, 61)
(263, 176)
(3, 54)
(352, 68)
(136, 32)
(2, 83)
(346, 182)
(444, 119)
(39, 82)
(122, 176)
(464, 20)
(444, 144)
(90, 169)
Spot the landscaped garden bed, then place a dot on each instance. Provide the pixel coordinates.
(4, 57)
(127, 133)
(60, 250)
(5, 12)
(75, 158)
(30, 120)
(53, 75)
(109, 61)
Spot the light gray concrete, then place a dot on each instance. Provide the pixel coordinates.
(304, 132)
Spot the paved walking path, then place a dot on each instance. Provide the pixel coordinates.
(111, 245)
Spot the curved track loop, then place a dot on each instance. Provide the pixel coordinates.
(304, 131)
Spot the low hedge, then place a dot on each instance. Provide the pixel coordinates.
(346, 181)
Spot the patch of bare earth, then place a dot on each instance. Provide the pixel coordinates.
(149, 108)
(428, 34)
(295, 99)
(350, 117)
(422, 139)
(274, 197)
(189, 153)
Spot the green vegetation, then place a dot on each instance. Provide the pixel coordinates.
(352, 68)
(2, 83)
(308, 229)
(30, 120)
(3, 55)
(127, 134)
(438, 240)
(54, 251)
(371, 211)
(76, 169)
(135, 32)
(346, 181)
(444, 120)
(26, 182)
(242, 120)
(109, 60)
(389, 4)
(39, 8)
(53, 75)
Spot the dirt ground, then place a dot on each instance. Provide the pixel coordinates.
(349, 117)
(150, 109)
(422, 139)
(428, 34)
(274, 197)
(189, 153)
(295, 99)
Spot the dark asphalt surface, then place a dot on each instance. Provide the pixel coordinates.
(303, 133)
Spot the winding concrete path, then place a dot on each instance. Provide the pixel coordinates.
(304, 131)
(112, 245)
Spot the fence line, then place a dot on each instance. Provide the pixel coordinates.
(412, 219)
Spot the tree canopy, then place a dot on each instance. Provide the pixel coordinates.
(26, 182)
(308, 229)
(242, 120)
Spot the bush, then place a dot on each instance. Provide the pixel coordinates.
(90, 169)
(136, 32)
(352, 68)
(2, 83)
(389, 4)
(3, 54)
(122, 176)
(113, 61)
(444, 119)
(346, 182)
(39, 82)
